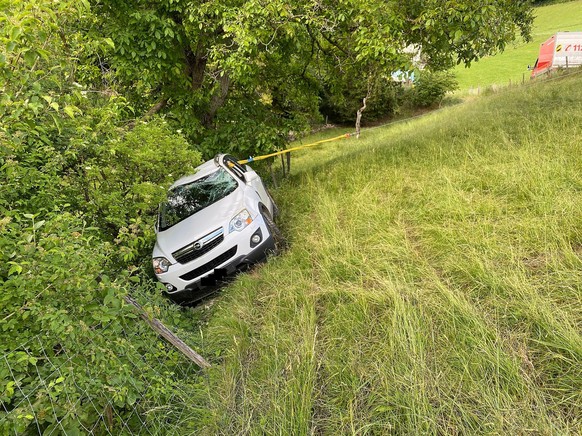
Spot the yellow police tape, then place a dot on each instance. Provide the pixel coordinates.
(289, 150)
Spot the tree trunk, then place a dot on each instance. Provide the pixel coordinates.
(217, 100)
(359, 118)
(196, 66)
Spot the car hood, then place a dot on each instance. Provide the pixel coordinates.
(200, 224)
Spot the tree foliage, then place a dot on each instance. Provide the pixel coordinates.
(78, 186)
(210, 60)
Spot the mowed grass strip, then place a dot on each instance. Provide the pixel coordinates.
(433, 284)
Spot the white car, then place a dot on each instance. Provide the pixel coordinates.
(212, 224)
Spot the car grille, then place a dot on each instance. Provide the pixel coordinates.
(210, 265)
(189, 253)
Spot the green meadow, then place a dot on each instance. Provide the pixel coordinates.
(511, 65)
(433, 283)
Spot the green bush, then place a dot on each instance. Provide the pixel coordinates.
(341, 107)
(128, 175)
(78, 191)
(75, 357)
(430, 88)
(246, 129)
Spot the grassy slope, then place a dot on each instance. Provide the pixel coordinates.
(433, 284)
(512, 64)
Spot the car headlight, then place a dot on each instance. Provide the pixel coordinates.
(240, 221)
(161, 264)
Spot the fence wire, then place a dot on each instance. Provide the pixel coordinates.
(51, 390)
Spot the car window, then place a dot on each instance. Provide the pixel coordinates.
(185, 200)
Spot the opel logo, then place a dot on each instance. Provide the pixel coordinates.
(197, 245)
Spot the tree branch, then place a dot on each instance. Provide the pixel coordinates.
(156, 108)
(163, 331)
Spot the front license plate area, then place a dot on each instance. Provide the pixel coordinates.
(218, 275)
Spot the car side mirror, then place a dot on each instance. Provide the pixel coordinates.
(250, 176)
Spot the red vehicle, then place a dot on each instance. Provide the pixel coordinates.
(562, 50)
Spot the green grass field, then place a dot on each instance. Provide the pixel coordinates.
(511, 65)
(433, 283)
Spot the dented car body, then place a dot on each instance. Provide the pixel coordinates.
(212, 224)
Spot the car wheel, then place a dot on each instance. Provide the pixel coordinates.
(278, 238)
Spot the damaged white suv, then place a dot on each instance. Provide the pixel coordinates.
(212, 224)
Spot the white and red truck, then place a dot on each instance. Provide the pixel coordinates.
(562, 50)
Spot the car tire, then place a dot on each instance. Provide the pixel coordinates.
(278, 238)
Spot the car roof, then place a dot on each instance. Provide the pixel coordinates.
(203, 170)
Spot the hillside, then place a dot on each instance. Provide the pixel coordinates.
(511, 65)
(433, 284)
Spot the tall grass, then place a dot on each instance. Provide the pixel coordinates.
(433, 284)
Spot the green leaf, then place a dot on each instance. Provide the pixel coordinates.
(15, 33)
(30, 57)
(131, 398)
(15, 269)
(70, 111)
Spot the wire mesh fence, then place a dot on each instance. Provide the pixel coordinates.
(119, 378)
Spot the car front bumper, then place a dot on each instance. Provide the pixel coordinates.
(235, 253)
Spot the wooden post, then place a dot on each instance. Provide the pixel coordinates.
(283, 164)
(163, 331)
(272, 174)
(108, 416)
(289, 163)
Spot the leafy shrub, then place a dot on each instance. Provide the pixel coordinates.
(57, 314)
(246, 129)
(430, 88)
(73, 176)
(341, 107)
(73, 353)
(128, 176)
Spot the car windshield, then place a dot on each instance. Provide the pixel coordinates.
(185, 200)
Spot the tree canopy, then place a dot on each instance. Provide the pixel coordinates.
(215, 62)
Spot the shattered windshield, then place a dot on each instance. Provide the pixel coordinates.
(185, 200)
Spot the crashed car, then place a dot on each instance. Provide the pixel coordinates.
(212, 224)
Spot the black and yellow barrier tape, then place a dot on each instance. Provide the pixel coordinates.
(289, 150)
